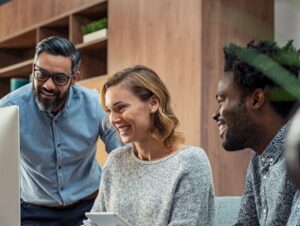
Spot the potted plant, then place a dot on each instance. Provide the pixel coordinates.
(94, 30)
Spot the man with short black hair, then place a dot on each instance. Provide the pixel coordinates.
(252, 113)
(60, 123)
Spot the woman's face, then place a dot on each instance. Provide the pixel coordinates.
(132, 118)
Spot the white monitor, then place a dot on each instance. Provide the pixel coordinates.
(9, 167)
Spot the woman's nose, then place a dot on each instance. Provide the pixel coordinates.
(114, 117)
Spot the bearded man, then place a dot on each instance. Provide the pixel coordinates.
(253, 112)
(60, 123)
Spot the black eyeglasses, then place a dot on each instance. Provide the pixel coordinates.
(42, 76)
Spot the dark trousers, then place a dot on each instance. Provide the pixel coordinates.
(34, 215)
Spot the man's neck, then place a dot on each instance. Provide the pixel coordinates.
(268, 134)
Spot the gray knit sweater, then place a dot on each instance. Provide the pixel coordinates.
(176, 190)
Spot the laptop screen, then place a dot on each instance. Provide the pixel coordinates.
(9, 166)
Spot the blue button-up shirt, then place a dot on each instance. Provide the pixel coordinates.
(58, 164)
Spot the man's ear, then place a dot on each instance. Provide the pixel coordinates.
(32, 70)
(75, 77)
(258, 99)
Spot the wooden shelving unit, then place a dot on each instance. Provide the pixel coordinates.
(21, 69)
(17, 51)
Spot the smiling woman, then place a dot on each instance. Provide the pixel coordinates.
(155, 179)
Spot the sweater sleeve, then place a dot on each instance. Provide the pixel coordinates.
(193, 202)
(99, 205)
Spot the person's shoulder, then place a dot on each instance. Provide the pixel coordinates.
(192, 152)
(119, 154)
(82, 91)
(18, 97)
(193, 156)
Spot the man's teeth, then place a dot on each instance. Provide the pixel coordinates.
(48, 93)
(221, 128)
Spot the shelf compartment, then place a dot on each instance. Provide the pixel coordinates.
(84, 17)
(93, 57)
(4, 86)
(59, 27)
(18, 48)
(22, 69)
(23, 40)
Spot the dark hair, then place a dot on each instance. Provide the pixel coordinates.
(59, 46)
(248, 77)
(144, 83)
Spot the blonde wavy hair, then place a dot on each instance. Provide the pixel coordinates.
(144, 83)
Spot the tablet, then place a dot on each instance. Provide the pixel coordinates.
(106, 219)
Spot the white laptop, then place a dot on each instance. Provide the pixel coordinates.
(9, 167)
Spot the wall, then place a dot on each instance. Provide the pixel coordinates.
(287, 20)
(164, 35)
(226, 21)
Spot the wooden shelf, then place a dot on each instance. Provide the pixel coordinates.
(85, 16)
(17, 50)
(93, 12)
(22, 69)
(58, 27)
(94, 83)
(98, 44)
(26, 39)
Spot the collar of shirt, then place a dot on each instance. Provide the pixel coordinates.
(275, 148)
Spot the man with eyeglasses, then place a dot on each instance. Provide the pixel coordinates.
(60, 123)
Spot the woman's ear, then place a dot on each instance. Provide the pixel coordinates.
(258, 99)
(153, 104)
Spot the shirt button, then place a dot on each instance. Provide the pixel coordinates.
(62, 188)
(263, 159)
(59, 167)
(271, 159)
(58, 145)
(265, 177)
(264, 211)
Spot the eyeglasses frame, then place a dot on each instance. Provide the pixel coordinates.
(49, 75)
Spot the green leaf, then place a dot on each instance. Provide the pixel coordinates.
(94, 26)
(270, 67)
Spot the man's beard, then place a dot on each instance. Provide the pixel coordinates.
(241, 131)
(47, 104)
